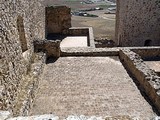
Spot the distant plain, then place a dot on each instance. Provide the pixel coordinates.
(103, 26)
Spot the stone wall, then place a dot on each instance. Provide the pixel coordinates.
(58, 19)
(147, 52)
(21, 21)
(50, 47)
(138, 22)
(147, 78)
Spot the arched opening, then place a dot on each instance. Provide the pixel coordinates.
(21, 31)
(148, 42)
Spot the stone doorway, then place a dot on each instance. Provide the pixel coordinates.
(148, 42)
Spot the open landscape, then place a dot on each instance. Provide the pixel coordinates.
(103, 25)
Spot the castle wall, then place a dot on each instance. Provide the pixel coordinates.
(147, 79)
(21, 21)
(138, 22)
(58, 19)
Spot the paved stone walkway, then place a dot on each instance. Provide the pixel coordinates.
(89, 86)
(74, 41)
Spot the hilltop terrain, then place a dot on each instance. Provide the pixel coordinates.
(103, 25)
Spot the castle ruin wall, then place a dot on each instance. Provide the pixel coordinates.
(58, 20)
(146, 77)
(21, 21)
(138, 23)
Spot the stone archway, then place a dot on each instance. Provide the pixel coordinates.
(148, 42)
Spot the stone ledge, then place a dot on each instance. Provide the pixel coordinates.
(88, 51)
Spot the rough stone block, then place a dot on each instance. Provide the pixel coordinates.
(4, 115)
(52, 48)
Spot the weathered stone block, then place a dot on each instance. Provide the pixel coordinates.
(58, 19)
(51, 47)
(4, 115)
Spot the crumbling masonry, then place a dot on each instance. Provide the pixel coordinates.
(24, 49)
(138, 23)
(20, 23)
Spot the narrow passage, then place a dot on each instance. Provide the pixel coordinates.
(89, 86)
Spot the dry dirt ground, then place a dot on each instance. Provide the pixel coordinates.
(103, 26)
(89, 86)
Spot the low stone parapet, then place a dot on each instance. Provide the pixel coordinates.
(89, 51)
(147, 78)
(147, 52)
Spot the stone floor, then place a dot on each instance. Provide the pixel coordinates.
(74, 41)
(89, 86)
